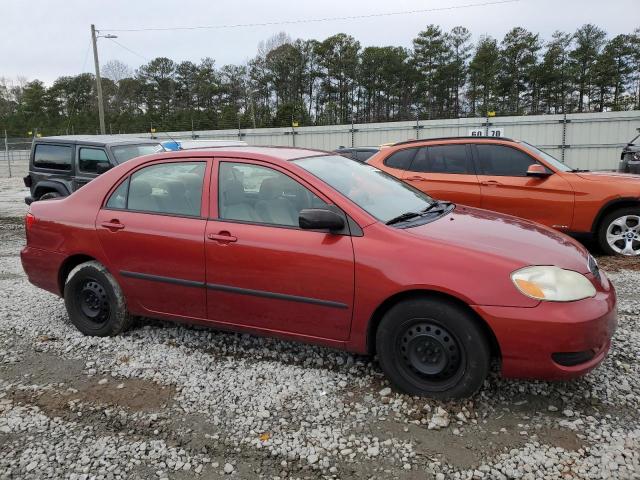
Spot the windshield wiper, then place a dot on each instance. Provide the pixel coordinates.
(410, 215)
(402, 217)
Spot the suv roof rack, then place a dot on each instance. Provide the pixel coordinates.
(460, 137)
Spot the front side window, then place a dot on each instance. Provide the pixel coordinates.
(54, 157)
(169, 188)
(442, 159)
(122, 153)
(502, 161)
(88, 159)
(253, 193)
(381, 195)
(401, 159)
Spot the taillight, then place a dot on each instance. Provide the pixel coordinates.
(29, 220)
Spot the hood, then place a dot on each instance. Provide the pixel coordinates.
(610, 177)
(519, 241)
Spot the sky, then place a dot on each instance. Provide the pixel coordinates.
(45, 39)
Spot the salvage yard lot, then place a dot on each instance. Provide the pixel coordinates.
(171, 401)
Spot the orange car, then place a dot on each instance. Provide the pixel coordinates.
(513, 177)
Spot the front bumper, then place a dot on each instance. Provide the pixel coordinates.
(528, 338)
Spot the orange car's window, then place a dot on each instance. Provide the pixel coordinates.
(401, 159)
(442, 159)
(502, 161)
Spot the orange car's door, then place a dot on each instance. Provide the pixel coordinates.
(445, 172)
(506, 188)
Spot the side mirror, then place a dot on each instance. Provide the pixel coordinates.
(102, 167)
(320, 219)
(537, 170)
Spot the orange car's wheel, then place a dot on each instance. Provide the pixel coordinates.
(432, 347)
(619, 232)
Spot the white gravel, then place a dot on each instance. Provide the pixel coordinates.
(249, 407)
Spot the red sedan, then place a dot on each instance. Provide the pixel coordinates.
(309, 246)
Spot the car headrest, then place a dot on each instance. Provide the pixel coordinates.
(175, 188)
(234, 193)
(270, 189)
(140, 188)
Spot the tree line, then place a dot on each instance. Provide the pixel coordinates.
(337, 81)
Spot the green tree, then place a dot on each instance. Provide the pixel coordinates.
(589, 40)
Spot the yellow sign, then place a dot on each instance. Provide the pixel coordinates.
(153, 130)
(491, 114)
(38, 135)
(294, 124)
(29, 133)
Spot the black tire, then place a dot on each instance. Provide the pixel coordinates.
(433, 347)
(94, 301)
(49, 196)
(632, 222)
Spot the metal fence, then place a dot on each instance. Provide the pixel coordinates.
(14, 156)
(583, 140)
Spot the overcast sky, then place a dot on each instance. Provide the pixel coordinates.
(48, 38)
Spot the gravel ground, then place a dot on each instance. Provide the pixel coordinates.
(172, 401)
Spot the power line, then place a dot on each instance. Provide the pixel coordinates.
(310, 20)
(128, 49)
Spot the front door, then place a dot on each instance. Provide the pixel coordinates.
(152, 231)
(445, 172)
(263, 271)
(506, 188)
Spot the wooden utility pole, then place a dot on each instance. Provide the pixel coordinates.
(94, 40)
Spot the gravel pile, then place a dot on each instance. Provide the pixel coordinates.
(171, 401)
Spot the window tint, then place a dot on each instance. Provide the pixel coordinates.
(502, 161)
(252, 193)
(57, 157)
(88, 159)
(401, 159)
(118, 198)
(171, 188)
(442, 159)
(123, 153)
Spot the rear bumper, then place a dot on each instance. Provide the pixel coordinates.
(530, 338)
(42, 268)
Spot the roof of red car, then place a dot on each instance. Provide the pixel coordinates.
(283, 153)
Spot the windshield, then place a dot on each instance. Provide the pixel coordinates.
(554, 162)
(122, 153)
(376, 192)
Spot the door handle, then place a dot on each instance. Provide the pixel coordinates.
(415, 178)
(222, 237)
(113, 225)
(490, 183)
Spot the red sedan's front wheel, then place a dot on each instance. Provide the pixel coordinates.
(94, 301)
(432, 347)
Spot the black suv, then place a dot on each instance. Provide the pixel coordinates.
(630, 157)
(59, 166)
(360, 154)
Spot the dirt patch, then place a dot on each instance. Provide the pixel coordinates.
(617, 263)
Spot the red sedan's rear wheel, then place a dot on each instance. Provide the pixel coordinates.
(432, 347)
(94, 301)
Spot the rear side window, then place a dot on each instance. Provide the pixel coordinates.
(169, 188)
(502, 161)
(88, 159)
(401, 159)
(55, 157)
(442, 159)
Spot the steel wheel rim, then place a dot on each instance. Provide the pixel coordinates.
(431, 354)
(93, 301)
(623, 235)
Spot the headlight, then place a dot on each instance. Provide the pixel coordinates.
(552, 284)
(636, 156)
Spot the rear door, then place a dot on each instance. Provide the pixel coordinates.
(87, 159)
(506, 188)
(445, 172)
(265, 272)
(152, 230)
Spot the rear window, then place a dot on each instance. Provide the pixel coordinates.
(54, 157)
(122, 153)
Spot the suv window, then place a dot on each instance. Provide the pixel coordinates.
(169, 188)
(88, 159)
(442, 159)
(253, 193)
(56, 157)
(501, 160)
(401, 159)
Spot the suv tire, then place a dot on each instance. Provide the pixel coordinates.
(49, 196)
(94, 301)
(433, 347)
